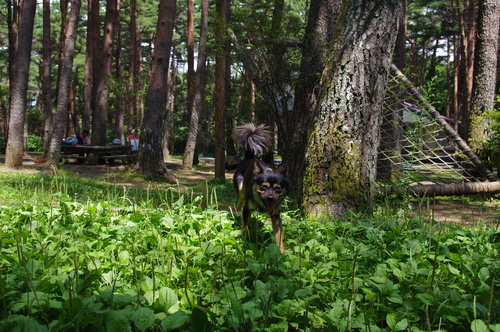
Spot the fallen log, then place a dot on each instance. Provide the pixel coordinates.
(450, 189)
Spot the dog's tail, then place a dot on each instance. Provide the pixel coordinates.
(255, 139)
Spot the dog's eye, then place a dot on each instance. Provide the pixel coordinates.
(264, 187)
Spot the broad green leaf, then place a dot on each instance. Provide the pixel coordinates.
(453, 270)
(199, 321)
(391, 321)
(147, 284)
(394, 324)
(116, 321)
(395, 298)
(402, 324)
(174, 321)
(167, 298)
(33, 326)
(426, 298)
(272, 255)
(478, 325)
(143, 318)
(255, 266)
(484, 274)
(237, 309)
(495, 327)
(124, 257)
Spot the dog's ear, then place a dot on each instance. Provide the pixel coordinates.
(258, 167)
(283, 170)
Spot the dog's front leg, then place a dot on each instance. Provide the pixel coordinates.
(276, 222)
(245, 215)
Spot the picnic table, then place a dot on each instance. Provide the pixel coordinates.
(95, 154)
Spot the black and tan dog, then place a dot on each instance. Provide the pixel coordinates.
(259, 186)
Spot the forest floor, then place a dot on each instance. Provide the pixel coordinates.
(465, 210)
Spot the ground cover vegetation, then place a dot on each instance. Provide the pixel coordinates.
(88, 255)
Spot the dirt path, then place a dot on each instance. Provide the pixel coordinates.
(465, 211)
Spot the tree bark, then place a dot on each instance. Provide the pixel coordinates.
(187, 162)
(466, 23)
(19, 85)
(63, 94)
(320, 26)
(100, 116)
(134, 59)
(451, 189)
(220, 89)
(150, 159)
(483, 93)
(93, 5)
(341, 154)
(48, 120)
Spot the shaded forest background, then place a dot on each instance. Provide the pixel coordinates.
(231, 62)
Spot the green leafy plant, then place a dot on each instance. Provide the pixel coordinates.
(160, 260)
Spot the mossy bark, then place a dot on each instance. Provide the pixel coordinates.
(341, 155)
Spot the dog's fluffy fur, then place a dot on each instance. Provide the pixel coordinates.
(259, 186)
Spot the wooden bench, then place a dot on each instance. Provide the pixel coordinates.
(80, 159)
(123, 157)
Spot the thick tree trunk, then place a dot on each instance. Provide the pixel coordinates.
(451, 189)
(47, 80)
(89, 56)
(341, 154)
(19, 85)
(150, 159)
(134, 59)
(187, 162)
(190, 54)
(100, 116)
(320, 26)
(220, 89)
(63, 95)
(483, 93)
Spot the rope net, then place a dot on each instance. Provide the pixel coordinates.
(415, 148)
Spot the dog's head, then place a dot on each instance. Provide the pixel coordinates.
(270, 187)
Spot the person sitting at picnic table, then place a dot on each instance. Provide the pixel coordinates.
(116, 141)
(83, 138)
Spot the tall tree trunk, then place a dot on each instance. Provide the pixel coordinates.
(483, 94)
(92, 31)
(150, 159)
(341, 154)
(190, 55)
(466, 22)
(119, 124)
(320, 26)
(100, 116)
(169, 134)
(63, 94)
(220, 89)
(72, 106)
(134, 59)
(199, 89)
(63, 7)
(19, 85)
(47, 80)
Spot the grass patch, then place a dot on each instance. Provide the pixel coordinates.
(150, 259)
